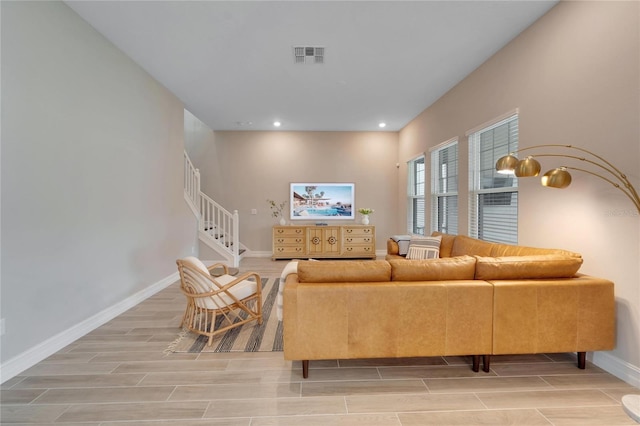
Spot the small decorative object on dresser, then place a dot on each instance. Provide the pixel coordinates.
(277, 209)
(339, 241)
(365, 212)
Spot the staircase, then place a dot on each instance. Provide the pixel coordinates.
(217, 227)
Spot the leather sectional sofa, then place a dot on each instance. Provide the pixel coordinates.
(477, 298)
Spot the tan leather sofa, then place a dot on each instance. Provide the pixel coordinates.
(477, 299)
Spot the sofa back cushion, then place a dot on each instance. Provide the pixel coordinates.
(335, 271)
(463, 245)
(443, 269)
(527, 267)
(446, 243)
(499, 250)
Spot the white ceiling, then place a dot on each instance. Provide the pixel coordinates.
(231, 62)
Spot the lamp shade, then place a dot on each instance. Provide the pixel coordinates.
(507, 164)
(528, 167)
(557, 178)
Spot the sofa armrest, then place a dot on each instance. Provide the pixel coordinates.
(553, 315)
(393, 248)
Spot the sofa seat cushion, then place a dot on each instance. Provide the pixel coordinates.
(444, 269)
(336, 271)
(526, 267)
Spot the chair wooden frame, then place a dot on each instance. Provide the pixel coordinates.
(200, 319)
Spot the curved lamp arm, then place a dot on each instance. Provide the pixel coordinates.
(629, 193)
(509, 164)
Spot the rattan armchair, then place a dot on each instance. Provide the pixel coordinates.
(218, 304)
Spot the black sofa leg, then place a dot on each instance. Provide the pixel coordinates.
(476, 363)
(305, 368)
(582, 360)
(486, 360)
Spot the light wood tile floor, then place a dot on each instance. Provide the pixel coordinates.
(118, 375)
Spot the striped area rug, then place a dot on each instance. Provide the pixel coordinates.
(250, 337)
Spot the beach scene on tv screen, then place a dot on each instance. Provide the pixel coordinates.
(322, 200)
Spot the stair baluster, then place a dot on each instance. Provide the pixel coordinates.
(217, 227)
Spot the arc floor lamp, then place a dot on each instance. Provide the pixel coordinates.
(560, 176)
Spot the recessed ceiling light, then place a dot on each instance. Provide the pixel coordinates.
(381, 125)
(277, 123)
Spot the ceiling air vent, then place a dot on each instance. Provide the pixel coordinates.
(308, 55)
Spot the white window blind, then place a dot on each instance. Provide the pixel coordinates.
(444, 188)
(493, 198)
(415, 196)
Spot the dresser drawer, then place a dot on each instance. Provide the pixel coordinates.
(358, 231)
(357, 240)
(289, 240)
(359, 251)
(285, 251)
(288, 231)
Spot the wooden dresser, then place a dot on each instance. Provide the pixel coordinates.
(335, 241)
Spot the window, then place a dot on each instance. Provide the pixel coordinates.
(493, 198)
(444, 188)
(415, 198)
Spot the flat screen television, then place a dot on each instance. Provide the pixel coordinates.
(322, 201)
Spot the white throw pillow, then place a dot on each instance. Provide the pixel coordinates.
(424, 248)
(203, 284)
(197, 263)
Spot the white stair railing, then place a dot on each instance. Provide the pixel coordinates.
(219, 224)
(191, 184)
(217, 227)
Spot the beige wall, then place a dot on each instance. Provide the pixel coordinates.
(574, 76)
(92, 201)
(247, 168)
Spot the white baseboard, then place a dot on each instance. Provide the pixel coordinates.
(254, 253)
(619, 368)
(30, 357)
